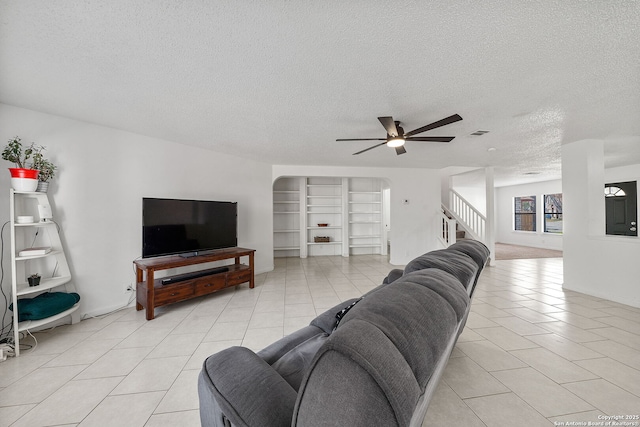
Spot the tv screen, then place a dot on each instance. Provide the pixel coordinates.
(174, 226)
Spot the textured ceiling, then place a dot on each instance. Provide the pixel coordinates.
(279, 80)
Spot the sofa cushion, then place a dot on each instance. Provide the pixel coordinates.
(475, 249)
(45, 305)
(445, 285)
(393, 275)
(456, 263)
(383, 353)
(357, 379)
(417, 313)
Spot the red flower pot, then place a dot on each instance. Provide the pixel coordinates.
(24, 173)
(24, 179)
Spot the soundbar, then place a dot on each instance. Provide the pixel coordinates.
(194, 275)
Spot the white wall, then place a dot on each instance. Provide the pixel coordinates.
(446, 180)
(594, 263)
(504, 215)
(413, 225)
(472, 187)
(97, 196)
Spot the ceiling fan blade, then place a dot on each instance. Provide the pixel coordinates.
(363, 139)
(443, 122)
(431, 138)
(400, 150)
(370, 148)
(389, 125)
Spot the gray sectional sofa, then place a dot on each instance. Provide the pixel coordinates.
(370, 361)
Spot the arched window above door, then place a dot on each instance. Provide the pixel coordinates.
(613, 191)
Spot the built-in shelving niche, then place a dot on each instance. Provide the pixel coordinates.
(287, 207)
(365, 209)
(324, 216)
(319, 216)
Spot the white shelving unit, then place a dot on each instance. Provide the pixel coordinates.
(286, 217)
(324, 205)
(365, 216)
(52, 266)
(352, 208)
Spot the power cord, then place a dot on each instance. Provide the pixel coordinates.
(28, 347)
(38, 231)
(3, 331)
(131, 298)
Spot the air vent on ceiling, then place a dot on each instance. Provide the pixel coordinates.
(480, 132)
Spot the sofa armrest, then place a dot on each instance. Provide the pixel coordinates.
(238, 385)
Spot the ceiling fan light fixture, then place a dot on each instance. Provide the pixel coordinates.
(396, 142)
(396, 137)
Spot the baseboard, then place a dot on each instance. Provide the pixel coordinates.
(631, 302)
(107, 310)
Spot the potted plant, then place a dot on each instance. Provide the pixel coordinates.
(23, 177)
(34, 279)
(46, 169)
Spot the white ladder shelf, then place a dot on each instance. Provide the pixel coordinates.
(52, 266)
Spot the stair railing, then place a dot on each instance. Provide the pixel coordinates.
(447, 229)
(469, 217)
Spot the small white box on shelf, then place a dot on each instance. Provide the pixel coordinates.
(35, 251)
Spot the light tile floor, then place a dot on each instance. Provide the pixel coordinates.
(532, 354)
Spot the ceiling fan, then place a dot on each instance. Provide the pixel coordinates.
(396, 136)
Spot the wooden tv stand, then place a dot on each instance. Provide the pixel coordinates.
(151, 293)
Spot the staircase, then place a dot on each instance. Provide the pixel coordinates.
(460, 220)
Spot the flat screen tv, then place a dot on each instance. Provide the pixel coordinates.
(187, 227)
